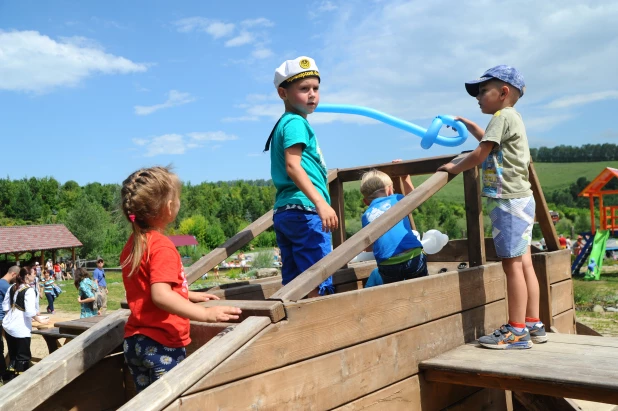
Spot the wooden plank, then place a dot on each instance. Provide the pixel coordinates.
(164, 391)
(271, 309)
(335, 189)
(330, 323)
(560, 368)
(558, 265)
(336, 378)
(474, 217)
(583, 329)
(410, 167)
(437, 396)
(539, 262)
(99, 388)
(404, 395)
(312, 277)
(457, 250)
(561, 297)
(535, 402)
(58, 369)
(565, 322)
(542, 212)
(487, 399)
(201, 333)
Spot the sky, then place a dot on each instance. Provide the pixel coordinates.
(92, 91)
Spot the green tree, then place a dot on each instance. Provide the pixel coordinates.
(89, 222)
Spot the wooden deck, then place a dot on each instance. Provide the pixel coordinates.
(570, 366)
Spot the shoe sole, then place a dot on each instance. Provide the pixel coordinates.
(523, 345)
(539, 339)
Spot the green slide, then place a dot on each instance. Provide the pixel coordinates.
(597, 254)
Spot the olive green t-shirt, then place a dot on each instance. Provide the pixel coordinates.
(505, 171)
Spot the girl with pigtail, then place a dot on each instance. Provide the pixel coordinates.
(157, 291)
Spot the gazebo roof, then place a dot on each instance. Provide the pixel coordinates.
(26, 238)
(596, 186)
(182, 240)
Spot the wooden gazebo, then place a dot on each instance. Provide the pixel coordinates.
(608, 215)
(17, 240)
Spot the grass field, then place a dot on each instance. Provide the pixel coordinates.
(553, 176)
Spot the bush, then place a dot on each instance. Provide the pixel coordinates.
(263, 259)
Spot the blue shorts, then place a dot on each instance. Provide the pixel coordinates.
(149, 360)
(512, 221)
(413, 268)
(302, 243)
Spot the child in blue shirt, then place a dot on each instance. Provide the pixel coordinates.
(303, 218)
(399, 253)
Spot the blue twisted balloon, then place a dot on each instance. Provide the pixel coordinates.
(428, 136)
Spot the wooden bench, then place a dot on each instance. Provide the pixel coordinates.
(571, 366)
(52, 337)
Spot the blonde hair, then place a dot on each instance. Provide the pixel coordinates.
(144, 194)
(373, 183)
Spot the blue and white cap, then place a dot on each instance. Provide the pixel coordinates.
(505, 73)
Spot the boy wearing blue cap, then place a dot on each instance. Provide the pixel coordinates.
(503, 150)
(303, 217)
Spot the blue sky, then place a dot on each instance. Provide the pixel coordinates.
(91, 91)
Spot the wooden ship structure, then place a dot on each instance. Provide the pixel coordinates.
(402, 346)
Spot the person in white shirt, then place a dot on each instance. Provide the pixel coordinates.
(20, 307)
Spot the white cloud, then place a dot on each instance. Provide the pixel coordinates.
(244, 37)
(262, 53)
(545, 122)
(212, 136)
(326, 6)
(175, 98)
(259, 22)
(30, 61)
(580, 99)
(215, 28)
(176, 144)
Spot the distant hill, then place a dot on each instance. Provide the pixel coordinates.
(553, 176)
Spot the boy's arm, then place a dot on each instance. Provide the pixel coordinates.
(471, 160)
(299, 176)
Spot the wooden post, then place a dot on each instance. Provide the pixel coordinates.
(542, 212)
(398, 186)
(338, 204)
(73, 254)
(602, 215)
(592, 225)
(474, 217)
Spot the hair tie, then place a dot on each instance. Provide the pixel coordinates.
(132, 217)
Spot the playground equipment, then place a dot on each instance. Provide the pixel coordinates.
(596, 242)
(395, 347)
(429, 136)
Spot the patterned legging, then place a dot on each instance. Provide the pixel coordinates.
(149, 360)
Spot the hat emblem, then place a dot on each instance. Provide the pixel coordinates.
(304, 63)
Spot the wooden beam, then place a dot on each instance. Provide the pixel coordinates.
(312, 277)
(458, 251)
(583, 329)
(164, 391)
(336, 378)
(401, 396)
(338, 204)
(542, 212)
(274, 310)
(409, 167)
(55, 371)
(326, 324)
(536, 402)
(539, 262)
(486, 399)
(474, 217)
(561, 297)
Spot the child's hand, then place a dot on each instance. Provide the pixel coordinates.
(330, 222)
(448, 168)
(221, 314)
(197, 297)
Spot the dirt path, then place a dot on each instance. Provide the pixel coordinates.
(38, 346)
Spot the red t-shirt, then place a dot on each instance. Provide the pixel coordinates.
(162, 266)
(56, 268)
(562, 241)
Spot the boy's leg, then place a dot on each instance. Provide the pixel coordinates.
(533, 322)
(516, 290)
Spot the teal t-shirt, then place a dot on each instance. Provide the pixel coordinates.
(294, 129)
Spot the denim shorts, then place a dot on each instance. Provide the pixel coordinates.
(413, 268)
(302, 243)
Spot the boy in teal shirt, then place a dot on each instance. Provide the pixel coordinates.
(303, 217)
